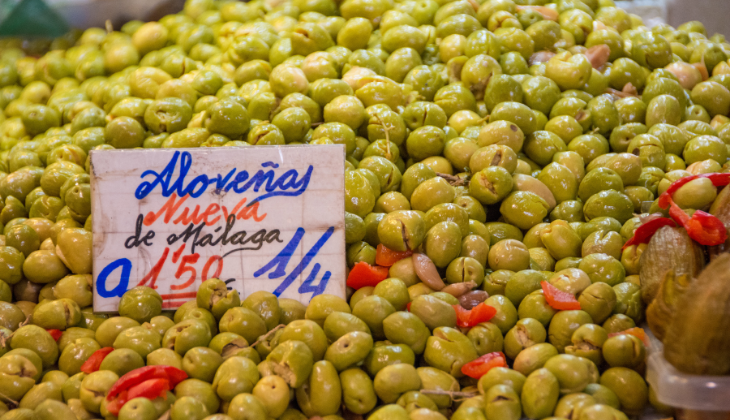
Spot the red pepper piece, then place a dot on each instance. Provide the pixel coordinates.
(364, 274)
(636, 332)
(677, 213)
(718, 180)
(56, 334)
(94, 361)
(386, 257)
(702, 227)
(482, 313)
(479, 367)
(643, 233)
(408, 306)
(150, 389)
(706, 229)
(462, 316)
(116, 404)
(673, 188)
(466, 318)
(558, 299)
(137, 376)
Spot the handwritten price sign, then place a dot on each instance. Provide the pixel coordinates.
(259, 218)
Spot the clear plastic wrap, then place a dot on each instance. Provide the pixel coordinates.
(681, 390)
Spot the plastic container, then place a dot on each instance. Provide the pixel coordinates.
(652, 12)
(697, 396)
(94, 13)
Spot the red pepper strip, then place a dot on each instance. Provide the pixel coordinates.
(56, 334)
(702, 227)
(706, 229)
(677, 213)
(466, 318)
(558, 299)
(386, 257)
(718, 180)
(150, 389)
(94, 361)
(137, 376)
(479, 367)
(636, 332)
(643, 233)
(364, 274)
(408, 306)
(118, 402)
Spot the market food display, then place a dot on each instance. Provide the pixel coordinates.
(528, 186)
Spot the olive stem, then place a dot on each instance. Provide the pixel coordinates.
(620, 94)
(387, 137)
(10, 400)
(453, 180)
(460, 396)
(4, 340)
(267, 335)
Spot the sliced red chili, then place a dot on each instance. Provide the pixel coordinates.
(643, 234)
(718, 180)
(116, 404)
(462, 315)
(636, 332)
(482, 313)
(558, 299)
(150, 389)
(137, 376)
(677, 213)
(466, 318)
(706, 229)
(56, 334)
(93, 363)
(386, 257)
(479, 367)
(364, 274)
(702, 227)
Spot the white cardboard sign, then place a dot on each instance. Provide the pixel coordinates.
(260, 218)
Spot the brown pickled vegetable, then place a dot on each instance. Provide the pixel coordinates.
(670, 252)
(459, 289)
(427, 272)
(698, 340)
(662, 309)
(473, 298)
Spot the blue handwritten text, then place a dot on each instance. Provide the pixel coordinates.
(287, 184)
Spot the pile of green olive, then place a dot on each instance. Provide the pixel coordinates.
(505, 143)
